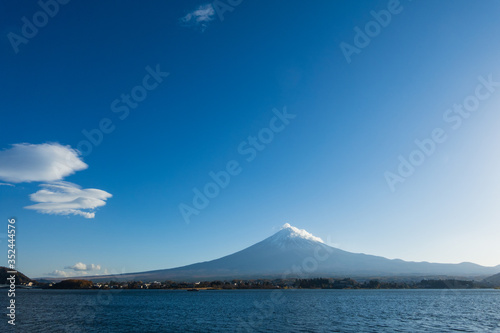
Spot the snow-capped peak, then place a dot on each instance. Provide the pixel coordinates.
(301, 233)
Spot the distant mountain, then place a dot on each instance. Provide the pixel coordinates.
(293, 252)
(493, 280)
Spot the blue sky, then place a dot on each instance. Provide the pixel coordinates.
(114, 207)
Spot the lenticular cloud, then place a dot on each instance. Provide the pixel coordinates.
(50, 163)
(45, 162)
(64, 198)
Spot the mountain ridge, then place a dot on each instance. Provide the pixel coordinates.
(293, 252)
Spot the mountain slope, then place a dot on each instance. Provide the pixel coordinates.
(493, 280)
(20, 277)
(292, 252)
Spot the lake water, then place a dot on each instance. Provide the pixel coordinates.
(256, 311)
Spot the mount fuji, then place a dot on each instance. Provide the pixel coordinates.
(292, 253)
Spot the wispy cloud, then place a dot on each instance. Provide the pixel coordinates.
(64, 198)
(45, 162)
(6, 184)
(199, 18)
(80, 266)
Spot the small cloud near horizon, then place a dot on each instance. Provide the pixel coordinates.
(80, 266)
(58, 273)
(199, 18)
(6, 184)
(79, 269)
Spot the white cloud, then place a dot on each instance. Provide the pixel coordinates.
(80, 266)
(50, 162)
(79, 269)
(45, 162)
(64, 198)
(59, 273)
(200, 17)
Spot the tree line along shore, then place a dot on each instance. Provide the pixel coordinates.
(313, 283)
(291, 283)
